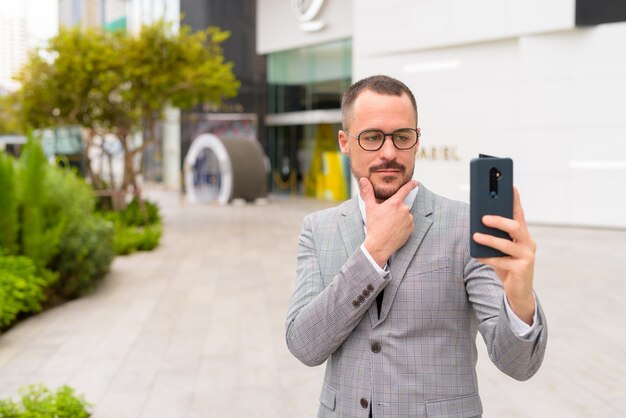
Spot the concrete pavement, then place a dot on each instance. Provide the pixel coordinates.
(196, 328)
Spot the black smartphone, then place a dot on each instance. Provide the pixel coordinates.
(491, 193)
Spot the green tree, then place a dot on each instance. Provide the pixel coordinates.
(69, 84)
(112, 82)
(8, 117)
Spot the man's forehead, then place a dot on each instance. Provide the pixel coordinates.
(371, 101)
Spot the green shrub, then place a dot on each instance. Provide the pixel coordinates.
(22, 289)
(85, 250)
(58, 228)
(133, 230)
(132, 215)
(40, 235)
(37, 401)
(129, 239)
(8, 205)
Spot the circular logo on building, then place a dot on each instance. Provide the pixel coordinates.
(306, 11)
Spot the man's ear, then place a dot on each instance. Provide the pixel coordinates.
(343, 139)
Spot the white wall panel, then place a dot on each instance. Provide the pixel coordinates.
(422, 24)
(546, 104)
(599, 101)
(598, 198)
(554, 102)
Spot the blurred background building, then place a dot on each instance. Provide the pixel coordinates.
(12, 48)
(541, 82)
(309, 49)
(23, 25)
(242, 117)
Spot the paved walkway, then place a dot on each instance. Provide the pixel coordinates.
(195, 329)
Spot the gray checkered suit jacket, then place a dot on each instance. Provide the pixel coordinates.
(419, 358)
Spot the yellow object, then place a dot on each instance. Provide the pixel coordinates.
(331, 184)
(326, 179)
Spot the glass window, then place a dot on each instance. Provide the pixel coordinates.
(309, 78)
(305, 159)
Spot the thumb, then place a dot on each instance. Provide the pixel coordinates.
(367, 191)
(404, 191)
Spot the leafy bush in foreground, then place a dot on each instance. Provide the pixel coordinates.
(22, 290)
(37, 401)
(47, 216)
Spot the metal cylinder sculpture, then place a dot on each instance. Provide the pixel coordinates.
(222, 170)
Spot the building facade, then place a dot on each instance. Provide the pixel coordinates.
(539, 82)
(239, 18)
(309, 64)
(12, 49)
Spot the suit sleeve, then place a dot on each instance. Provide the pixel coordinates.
(321, 317)
(517, 357)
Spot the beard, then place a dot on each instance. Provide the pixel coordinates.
(387, 189)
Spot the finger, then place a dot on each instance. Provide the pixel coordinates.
(518, 211)
(510, 248)
(501, 265)
(367, 191)
(515, 227)
(499, 222)
(516, 230)
(404, 191)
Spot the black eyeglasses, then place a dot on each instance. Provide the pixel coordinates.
(373, 139)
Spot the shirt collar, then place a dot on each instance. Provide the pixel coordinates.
(409, 200)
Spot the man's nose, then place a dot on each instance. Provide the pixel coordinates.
(388, 151)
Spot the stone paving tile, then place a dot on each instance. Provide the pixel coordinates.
(195, 328)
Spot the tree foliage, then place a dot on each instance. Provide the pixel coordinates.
(116, 83)
(8, 116)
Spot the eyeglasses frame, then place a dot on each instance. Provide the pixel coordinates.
(385, 135)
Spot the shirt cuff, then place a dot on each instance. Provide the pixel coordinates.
(519, 327)
(383, 272)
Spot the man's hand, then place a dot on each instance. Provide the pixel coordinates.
(515, 271)
(389, 224)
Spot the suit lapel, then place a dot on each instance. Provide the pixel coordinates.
(422, 220)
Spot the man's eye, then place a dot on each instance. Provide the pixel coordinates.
(371, 137)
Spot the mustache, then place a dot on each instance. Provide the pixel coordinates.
(388, 165)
